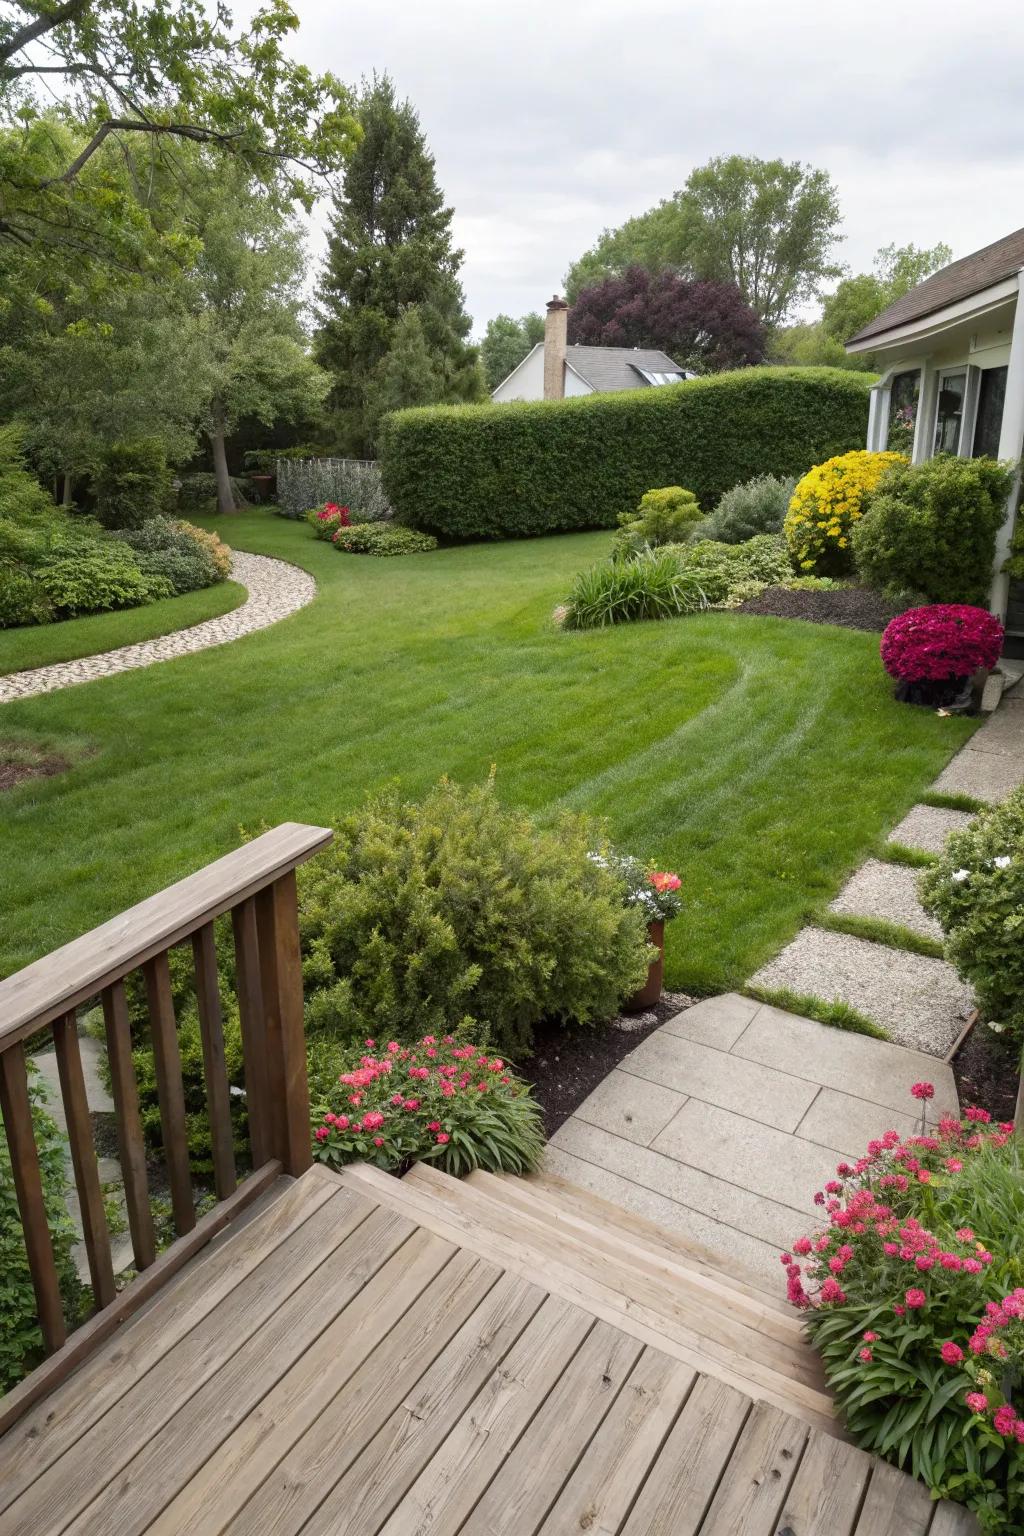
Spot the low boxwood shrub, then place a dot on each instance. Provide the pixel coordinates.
(423, 916)
(494, 471)
(932, 528)
(976, 890)
(186, 556)
(664, 516)
(382, 539)
(756, 506)
(441, 1100)
(730, 573)
(827, 502)
(651, 586)
(21, 1338)
(905, 1293)
(97, 577)
(132, 484)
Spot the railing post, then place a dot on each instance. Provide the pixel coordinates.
(277, 921)
(16, 1108)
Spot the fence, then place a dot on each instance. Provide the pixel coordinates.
(354, 483)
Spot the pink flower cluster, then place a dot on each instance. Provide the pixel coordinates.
(872, 1236)
(941, 641)
(403, 1099)
(998, 1337)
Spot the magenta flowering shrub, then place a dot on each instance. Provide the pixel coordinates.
(440, 1100)
(941, 642)
(325, 521)
(904, 1291)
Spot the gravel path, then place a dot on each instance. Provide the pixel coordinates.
(887, 891)
(275, 590)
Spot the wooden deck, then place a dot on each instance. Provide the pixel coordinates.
(338, 1367)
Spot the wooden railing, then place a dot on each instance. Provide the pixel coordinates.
(256, 884)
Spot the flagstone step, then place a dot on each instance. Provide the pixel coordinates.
(928, 826)
(889, 892)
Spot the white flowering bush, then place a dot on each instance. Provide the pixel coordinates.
(977, 893)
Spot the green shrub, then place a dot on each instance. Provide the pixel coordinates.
(976, 891)
(932, 528)
(22, 600)
(492, 471)
(663, 517)
(730, 573)
(382, 539)
(757, 506)
(441, 1100)
(197, 491)
(96, 578)
(176, 552)
(455, 911)
(21, 1339)
(651, 586)
(21, 495)
(132, 484)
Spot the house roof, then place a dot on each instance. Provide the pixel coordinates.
(610, 368)
(970, 275)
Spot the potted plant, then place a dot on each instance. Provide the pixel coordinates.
(934, 652)
(656, 892)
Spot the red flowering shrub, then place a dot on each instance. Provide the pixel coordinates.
(440, 1101)
(325, 521)
(941, 642)
(904, 1294)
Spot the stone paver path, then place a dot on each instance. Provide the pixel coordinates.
(275, 590)
(927, 827)
(889, 892)
(723, 1123)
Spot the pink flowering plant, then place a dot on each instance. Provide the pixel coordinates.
(941, 643)
(911, 1296)
(441, 1100)
(326, 520)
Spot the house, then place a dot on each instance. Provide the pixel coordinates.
(951, 358)
(553, 370)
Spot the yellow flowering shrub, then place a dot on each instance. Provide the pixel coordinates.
(826, 504)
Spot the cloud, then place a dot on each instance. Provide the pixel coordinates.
(552, 121)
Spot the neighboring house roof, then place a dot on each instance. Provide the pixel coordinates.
(609, 368)
(970, 275)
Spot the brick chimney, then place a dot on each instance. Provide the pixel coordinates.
(556, 327)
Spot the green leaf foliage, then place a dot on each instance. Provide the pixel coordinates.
(21, 1339)
(650, 586)
(932, 528)
(755, 506)
(383, 539)
(494, 471)
(132, 484)
(664, 516)
(423, 916)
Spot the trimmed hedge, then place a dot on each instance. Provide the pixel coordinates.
(494, 471)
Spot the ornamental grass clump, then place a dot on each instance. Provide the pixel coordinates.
(440, 1100)
(905, 1285)
(827, 503)
(651, 586)
(932, 652)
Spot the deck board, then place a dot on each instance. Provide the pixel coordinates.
(336, 1366)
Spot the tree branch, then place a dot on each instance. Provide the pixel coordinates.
(39, 28)
(129, 125)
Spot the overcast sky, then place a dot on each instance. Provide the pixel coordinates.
(551, 120)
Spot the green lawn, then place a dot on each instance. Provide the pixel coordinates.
(40, 644)
(760, 758)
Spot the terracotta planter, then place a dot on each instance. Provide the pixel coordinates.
(263, 485)
(650, 992)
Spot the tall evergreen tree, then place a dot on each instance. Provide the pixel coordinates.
(390, 248)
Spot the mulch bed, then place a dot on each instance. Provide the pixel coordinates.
(849, 607)
(566, 1067)
(986, 1074)
(16, 771)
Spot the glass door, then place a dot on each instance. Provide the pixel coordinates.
(950, 415)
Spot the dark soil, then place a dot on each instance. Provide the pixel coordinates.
(849, 607)
(566, 1068)
(15, 770)
(986, 1073)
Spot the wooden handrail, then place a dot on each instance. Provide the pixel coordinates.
(77, 971)
(256, 884)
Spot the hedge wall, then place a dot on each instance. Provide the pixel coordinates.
(490, 471)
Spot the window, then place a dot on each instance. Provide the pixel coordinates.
(950, 414)
(903, 393)
(989, 420)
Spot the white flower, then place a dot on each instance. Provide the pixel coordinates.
(996, 1027)
(960, 875)
(1003, 861)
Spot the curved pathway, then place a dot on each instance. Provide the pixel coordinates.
(275, 590)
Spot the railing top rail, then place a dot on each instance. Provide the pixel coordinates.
(53, 985)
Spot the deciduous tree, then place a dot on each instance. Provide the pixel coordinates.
(702, 325)
(506, 342)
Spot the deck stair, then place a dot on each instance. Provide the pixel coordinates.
(670, 1298)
